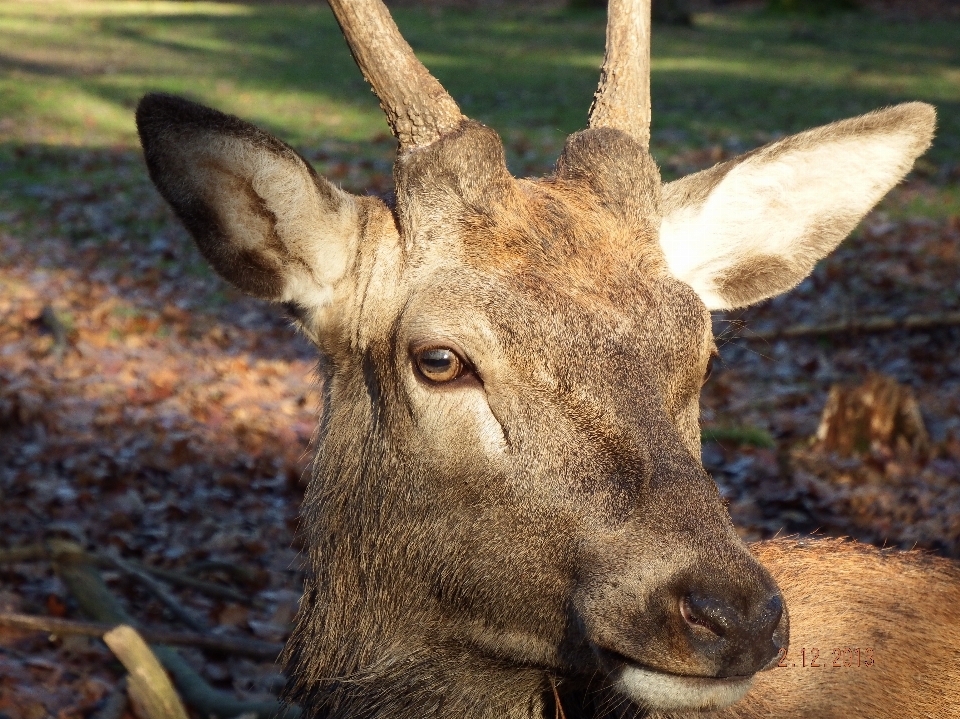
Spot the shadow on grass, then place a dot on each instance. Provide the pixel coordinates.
(532, 71)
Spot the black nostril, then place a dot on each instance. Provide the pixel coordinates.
(732, 632)
(708, 613)
(772, 613)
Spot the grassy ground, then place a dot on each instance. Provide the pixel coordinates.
(71, 73)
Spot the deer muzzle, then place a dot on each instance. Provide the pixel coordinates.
(694, 647)
(682, 619)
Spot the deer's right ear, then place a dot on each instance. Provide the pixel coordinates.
(257, 210)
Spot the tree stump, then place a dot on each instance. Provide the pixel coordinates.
(879, 416)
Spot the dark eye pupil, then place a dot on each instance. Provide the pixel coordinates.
(439, 360)
(439, 364)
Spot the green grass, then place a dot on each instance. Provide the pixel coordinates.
(740, 436)
(71, 72)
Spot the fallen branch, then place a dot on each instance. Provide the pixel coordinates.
(236, 572)
(211, 589)
(38, 552)
(868, 324)
(169, 601)
(253, 648)
(28, 553)
(148, 686)
(81, 577)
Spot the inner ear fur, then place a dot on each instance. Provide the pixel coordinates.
(258, 211)
(755, 226)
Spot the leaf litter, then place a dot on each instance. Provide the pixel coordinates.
(148, 409)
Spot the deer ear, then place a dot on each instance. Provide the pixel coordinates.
(259, 213)
(754, 227)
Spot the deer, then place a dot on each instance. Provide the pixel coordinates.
(507, 514)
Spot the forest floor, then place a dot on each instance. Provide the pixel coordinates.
(149, 410)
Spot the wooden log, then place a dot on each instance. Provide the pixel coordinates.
(148, 686)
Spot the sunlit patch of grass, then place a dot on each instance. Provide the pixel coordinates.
(71, 72)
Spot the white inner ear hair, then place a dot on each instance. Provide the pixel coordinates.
(317, 238)
(796, 204)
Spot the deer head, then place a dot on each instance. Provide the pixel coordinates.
(508, 490)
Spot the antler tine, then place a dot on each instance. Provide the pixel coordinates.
(417, 107)
(622, 100)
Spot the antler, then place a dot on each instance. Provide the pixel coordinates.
(622, 100)
(418, 109)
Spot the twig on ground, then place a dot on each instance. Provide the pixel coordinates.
(201, 585)
(149, 687)
(27, 553)
(254, 648)
(169, 601)
(81, 577)
(868, 324)
(236, 572)
(37, 552)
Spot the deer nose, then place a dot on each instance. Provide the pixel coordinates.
(733, 641)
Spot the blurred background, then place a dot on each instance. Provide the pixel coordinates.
(150, 413)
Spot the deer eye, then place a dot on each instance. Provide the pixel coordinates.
(710, 363)
(439, 364)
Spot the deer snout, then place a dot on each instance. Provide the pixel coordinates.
(703, 646)
(735, 641)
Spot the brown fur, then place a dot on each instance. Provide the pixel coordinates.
(757, 276)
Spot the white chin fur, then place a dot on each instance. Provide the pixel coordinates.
(655, 690)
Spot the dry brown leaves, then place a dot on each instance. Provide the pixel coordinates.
(172, 424)
(892, 268)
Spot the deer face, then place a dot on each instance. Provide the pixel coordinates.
(508, 486)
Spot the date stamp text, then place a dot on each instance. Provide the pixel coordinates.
(842, 658)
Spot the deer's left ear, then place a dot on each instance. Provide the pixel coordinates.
(754, 227)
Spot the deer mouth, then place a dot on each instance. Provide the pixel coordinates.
(658, 689)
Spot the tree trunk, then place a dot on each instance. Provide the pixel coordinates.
(669, 12)
(878, 416)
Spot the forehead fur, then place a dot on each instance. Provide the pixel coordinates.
(591, 227)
